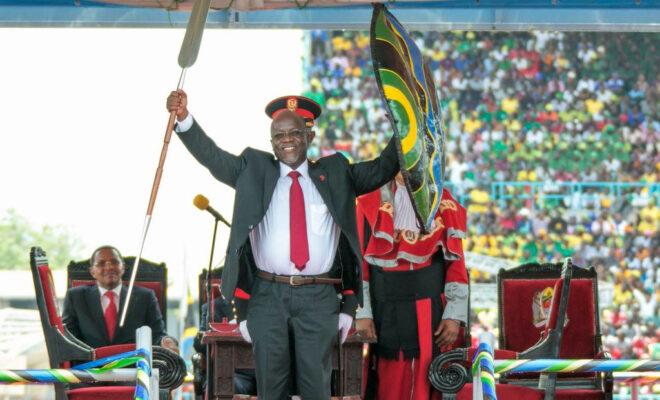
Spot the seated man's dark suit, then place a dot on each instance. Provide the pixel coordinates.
(83, 316)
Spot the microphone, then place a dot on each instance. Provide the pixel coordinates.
(200, 201)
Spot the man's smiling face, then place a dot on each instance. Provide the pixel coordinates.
(107, 268)
(290, 138)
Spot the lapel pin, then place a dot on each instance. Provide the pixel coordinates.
(322, 178)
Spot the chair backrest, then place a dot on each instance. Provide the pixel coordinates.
(216, 279)
(150, 275)
(61, 346)
(45, 291)
(581, 333)
(526, 300)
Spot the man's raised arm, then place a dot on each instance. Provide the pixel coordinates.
(223, 165)
(370, 175)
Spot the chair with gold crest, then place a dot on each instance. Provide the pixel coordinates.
(545, 311)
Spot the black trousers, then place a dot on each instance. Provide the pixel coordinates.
(309, 315)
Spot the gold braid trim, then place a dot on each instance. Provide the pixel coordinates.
(448, 205)
(414, 237)
(387, 207)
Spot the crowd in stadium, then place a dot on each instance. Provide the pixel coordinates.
(549, 108)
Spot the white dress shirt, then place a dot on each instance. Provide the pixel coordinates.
(183, 126)
(105, 301)
(270, 238)
(404, 213)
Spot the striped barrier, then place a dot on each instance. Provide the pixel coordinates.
(145, 384)
(143, 377)
(448, 373)
(115, 361)
(29, 376)
(108, 369)
(572, 366)
(483, 373)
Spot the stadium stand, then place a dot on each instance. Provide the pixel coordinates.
(553, 145)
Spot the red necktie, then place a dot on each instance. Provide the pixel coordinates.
(110, 314)
(297, 223)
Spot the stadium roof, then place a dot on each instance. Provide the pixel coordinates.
(565, 15)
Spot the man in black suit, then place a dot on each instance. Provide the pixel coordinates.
(293, 248)
(91, 312)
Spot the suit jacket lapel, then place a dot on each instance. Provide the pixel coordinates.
(270, 181)
(93, 298)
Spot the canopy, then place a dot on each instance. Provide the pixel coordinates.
(564, 15)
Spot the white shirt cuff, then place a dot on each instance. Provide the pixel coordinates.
(184, 125)
(457, 295)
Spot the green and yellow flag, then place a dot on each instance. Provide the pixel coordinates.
(409, 94)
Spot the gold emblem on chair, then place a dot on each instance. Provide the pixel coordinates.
(541, 307)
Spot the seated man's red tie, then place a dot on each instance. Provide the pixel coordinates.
(110, 314)
(297, 223)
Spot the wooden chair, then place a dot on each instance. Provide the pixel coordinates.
(62, 346)
(199, 360)
(545, 311)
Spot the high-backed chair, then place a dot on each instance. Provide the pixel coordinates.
(150, 275)
(62, 346)
(544, 313)
(199, 360)
(216, 278)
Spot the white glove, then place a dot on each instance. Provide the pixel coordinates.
(242, 327)
(345, 323)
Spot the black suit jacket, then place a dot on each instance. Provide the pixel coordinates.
(83, 316)
(254, 174)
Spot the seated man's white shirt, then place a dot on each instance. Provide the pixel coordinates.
(105, 301)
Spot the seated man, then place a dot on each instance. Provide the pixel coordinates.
(244, 379)
(91, 312)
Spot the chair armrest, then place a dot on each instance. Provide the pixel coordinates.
(451, 370)
(498, 355)
(69, 347)
(171, 367)
(448, 372)
(107, 351)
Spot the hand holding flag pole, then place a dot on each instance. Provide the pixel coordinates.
(187, 57)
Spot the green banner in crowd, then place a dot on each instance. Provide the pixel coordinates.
(406, 85)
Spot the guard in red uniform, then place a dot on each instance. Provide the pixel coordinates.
(415, 288)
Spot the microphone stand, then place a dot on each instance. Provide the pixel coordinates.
(210, 314)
